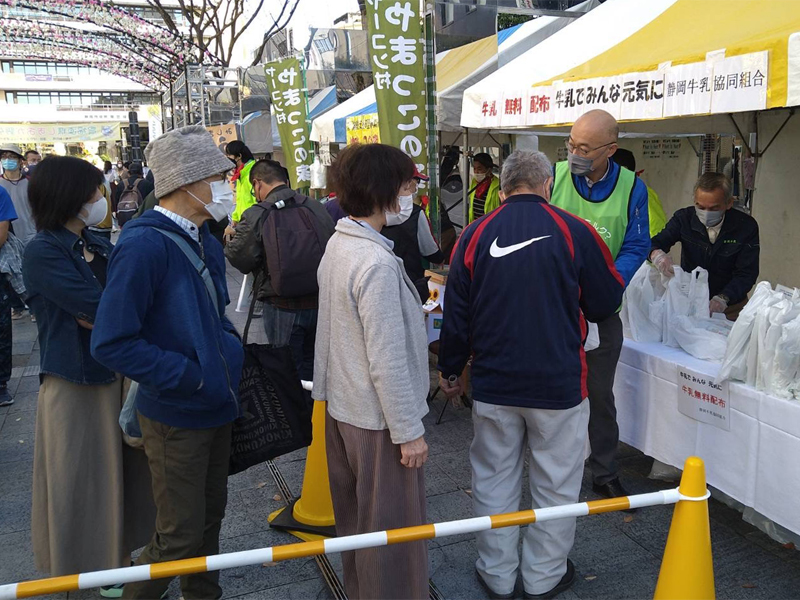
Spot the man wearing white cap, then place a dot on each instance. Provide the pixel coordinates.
(16, 184)
(161, 322)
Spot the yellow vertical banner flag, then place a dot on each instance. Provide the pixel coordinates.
(397, 48)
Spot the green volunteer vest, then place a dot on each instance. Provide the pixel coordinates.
(609, 217)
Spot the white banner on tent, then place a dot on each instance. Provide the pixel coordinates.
(740, 83)
(539, 105)
(733, 84)
(513, 108)
(490, 112)
(573, 98)
(688, 89)
(642, 96)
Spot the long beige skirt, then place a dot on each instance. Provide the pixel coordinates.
(92, 496)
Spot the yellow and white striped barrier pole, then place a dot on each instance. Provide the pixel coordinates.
(188, 566)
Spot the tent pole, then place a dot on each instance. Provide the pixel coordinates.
(465, 178)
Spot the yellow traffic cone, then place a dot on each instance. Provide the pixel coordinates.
(311, 516)
(687, 570)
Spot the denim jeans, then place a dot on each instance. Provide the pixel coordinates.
(5, 330)
(296, 329)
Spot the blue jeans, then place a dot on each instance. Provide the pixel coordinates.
(296, 329)
(5, 329)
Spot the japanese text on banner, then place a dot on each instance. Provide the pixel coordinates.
(290, 107)
(701, 399)
(397, 51)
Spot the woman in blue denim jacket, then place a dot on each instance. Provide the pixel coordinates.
(92, 499)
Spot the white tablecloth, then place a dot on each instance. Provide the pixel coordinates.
(757, 462)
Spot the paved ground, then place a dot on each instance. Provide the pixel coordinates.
(617, 556)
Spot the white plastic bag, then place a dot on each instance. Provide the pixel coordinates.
(758, 337)
(705, 338)
(687, 296)
(785, 373)
(779, 315)
(643, 305)
(592, 337)
(319, 172)
(734, 365)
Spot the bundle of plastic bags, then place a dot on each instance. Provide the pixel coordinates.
(643, 305)
(785, 373)
(764, 344)
(705, 338)
(734, 365)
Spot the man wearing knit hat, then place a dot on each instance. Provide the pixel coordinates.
(161, 323)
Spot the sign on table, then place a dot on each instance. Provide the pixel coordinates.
(290, 106)
(701, 399)
(397, 45)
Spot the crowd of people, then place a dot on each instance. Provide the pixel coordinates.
(548, 249)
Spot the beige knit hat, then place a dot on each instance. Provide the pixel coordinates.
(183, 156)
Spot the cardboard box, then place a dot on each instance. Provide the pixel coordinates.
(433, 324)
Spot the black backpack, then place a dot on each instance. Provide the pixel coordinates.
(129, 202)
(293, 247)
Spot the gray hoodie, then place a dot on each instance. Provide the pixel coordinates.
(371, 353)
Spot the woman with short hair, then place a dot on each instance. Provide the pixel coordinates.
(92, 499)
(376, 389)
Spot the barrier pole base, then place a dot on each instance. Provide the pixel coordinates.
(283, 520)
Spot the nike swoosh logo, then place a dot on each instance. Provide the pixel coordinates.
(498, 252)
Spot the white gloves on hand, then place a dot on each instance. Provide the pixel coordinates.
(663, 262)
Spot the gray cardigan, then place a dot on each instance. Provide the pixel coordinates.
(371, 354)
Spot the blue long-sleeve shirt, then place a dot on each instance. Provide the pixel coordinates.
(521, 281)
(636, 244)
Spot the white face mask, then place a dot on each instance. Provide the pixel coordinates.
(480, 177)
(406, 206)
(96, 212)
(222, 203)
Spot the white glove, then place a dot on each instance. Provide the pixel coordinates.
(663, 262)
(718, 304)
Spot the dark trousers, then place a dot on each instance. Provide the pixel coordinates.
(5, 330)
(189, 469)
(603, 428)
(17, 303)
(296, 329)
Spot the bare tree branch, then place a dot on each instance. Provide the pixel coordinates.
(276, 27)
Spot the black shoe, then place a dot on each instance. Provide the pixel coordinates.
(566, 582)
(612, 489)
(492, 594)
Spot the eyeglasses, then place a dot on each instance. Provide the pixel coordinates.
(583, 150)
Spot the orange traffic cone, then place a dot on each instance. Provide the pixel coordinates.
(311, 516)
(687, 569)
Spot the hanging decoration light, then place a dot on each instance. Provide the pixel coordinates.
(96, 33)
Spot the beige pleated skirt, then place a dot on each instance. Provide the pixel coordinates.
(92, 496)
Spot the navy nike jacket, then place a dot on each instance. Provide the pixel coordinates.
(521, 280)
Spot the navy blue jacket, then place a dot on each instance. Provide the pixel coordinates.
(61, 289)
(731, 261)
(157, 325)
(521, 280)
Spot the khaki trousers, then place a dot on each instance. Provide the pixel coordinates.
(189, 469)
